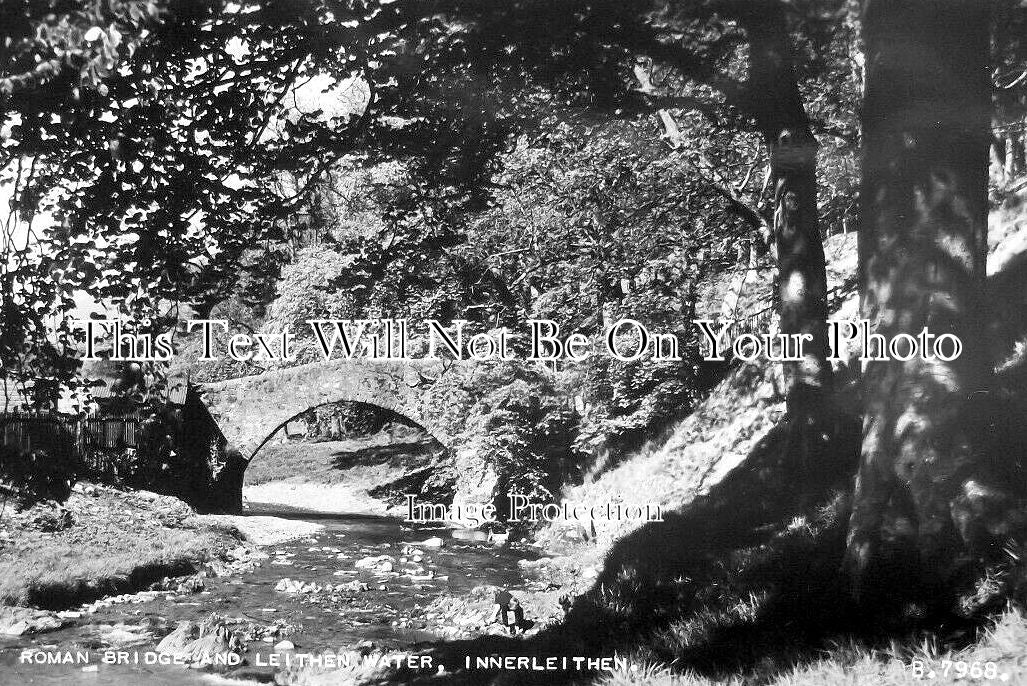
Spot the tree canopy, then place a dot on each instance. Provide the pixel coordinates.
(270, 160)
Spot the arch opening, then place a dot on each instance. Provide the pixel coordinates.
(361, 456)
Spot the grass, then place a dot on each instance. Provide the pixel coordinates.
(65, 574)
(333, 462)
(672, 472)
(995, 658)
(366, 473)
(744, 572)
(111, 542)
(742, 585)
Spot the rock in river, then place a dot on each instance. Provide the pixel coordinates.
(15, 621)
(122, 635)
(200, 642)
(288, 585)
(381, 563)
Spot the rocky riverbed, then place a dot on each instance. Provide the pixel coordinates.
(105, 546)
(274, 586)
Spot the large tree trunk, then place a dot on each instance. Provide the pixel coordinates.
(775, 103)
(922, 250)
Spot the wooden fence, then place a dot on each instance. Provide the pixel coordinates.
(1009, 151)
(27, 431)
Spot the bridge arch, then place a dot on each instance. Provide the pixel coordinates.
(277, 430)
(250, 409)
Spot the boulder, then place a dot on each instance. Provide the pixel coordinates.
(470, 535)
(200, 642)
(288, 585)
(174, 642)
(381, 563)
(209, 647)
(477, 480)
(17, 621)
(122, 635)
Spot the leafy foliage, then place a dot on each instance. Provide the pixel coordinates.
(146, 189)
(200, 129)
(271, 161)
(44, 472)
(78, 44)
(510, 414)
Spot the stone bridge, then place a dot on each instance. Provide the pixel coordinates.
(250, 409)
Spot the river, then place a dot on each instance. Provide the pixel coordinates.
(384, 614)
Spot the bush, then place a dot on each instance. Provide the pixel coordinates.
(626, 403)
(517, 421)
(37, 475)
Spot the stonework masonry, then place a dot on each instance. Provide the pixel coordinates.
(250, 409)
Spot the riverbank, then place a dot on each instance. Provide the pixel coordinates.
(740, 582)
(104, 541)
(358, 585)
(359, 475)
(101, 541)
(263, 531)
(337, 498)
(565, 585)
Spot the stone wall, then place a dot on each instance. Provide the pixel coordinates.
(251, 408)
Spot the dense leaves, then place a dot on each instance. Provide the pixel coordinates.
(146, 188)
(272, 161)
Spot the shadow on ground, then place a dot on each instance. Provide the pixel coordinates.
(739, 580)
(745, 581)
(394, 454)
(742, 582)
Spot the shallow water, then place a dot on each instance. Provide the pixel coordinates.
(373, 615)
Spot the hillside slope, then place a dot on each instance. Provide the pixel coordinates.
(699, 450)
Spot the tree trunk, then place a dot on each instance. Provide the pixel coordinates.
(1009, 171)
(922, 251)
(1019, 139)
(775, 103)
